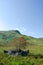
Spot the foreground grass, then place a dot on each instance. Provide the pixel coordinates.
(20, 60)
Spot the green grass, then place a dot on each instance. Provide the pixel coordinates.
(35, 46)
(35, 49)
(32, 48)
(27, 60)
(19, 60)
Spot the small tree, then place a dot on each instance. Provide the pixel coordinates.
(19, 43)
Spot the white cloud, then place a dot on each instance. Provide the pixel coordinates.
(21, 29)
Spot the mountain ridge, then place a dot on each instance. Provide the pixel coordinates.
(8, 36)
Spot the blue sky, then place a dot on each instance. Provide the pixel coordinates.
(23, 15)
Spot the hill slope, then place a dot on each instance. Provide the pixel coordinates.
(8, 36)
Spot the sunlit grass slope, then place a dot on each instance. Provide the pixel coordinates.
(7, 36)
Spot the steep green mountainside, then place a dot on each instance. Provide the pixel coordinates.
(8, 36)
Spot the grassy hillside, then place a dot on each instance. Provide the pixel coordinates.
(34, 41)
(10, 39)
(8, 36)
